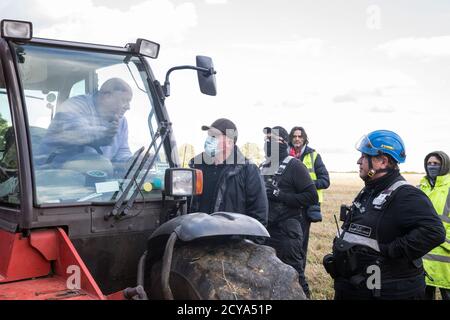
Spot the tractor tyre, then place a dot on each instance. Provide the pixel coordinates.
(233, 270)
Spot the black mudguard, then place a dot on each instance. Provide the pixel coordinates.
(199, 225)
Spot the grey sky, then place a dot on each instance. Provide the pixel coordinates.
(338, 68)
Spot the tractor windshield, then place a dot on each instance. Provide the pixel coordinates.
(89, 115)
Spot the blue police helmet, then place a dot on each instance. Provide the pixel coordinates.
(383, 142)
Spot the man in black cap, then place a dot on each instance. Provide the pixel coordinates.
(231, 182)
(290, 190)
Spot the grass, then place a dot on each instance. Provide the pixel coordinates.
(343, 189)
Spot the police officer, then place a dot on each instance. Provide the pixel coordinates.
(436, 185)
(389, 227)
(290, 190)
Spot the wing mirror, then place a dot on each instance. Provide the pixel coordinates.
(205, 72)
(206, 75)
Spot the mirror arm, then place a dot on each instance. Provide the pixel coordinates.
(166, 87)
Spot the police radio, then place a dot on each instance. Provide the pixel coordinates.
(345, 211)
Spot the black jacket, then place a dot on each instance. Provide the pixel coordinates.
(410, 227)
(323, 178)
(406, 229)
(239, 188)
(297, 191)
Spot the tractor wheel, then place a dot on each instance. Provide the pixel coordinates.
(236, 270)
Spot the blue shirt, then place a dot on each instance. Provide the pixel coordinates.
(78, 128)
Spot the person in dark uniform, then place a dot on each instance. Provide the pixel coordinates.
(389, 227)
(290, 190)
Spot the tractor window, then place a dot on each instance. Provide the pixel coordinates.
(90, 114)
(9, 183)
(78, 88)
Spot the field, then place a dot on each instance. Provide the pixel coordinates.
(344, 187)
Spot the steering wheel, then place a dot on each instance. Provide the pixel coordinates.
(6, 173)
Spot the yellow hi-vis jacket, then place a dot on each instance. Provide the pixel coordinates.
(437, 261)
(308, 161)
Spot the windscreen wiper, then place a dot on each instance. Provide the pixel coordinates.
(130, 168)
(124, 194)
(122, 209)
(125, 208)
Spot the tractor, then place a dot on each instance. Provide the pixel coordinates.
(85, 214)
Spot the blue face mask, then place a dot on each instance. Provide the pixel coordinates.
(211, 146)
(433, 171)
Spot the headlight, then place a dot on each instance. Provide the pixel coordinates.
(183, 182)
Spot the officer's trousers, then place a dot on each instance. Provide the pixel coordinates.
(286, 237)
(306, 225)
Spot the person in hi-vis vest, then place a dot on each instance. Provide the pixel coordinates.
(436, 185)
(298, 142)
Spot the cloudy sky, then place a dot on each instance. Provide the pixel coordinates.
(339, 68)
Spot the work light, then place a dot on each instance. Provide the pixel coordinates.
(147, 48)
(16, 30)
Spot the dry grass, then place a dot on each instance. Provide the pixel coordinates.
(344, 187)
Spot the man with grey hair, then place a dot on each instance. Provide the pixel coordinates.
(90, 124)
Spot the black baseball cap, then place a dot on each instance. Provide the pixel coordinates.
(225, 126)
(279, 131)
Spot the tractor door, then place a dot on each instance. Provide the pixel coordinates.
(9, 177)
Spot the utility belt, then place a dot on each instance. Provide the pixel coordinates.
(350, 261)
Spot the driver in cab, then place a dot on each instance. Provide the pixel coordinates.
(88, 127)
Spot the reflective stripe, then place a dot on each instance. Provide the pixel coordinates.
(397, 185)
(446, 213)
(381, 199)
(354, 238)
(447, 206)
(447, 240)
(312, 161)
(445, 218)
(287, 159)
(435, 257)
